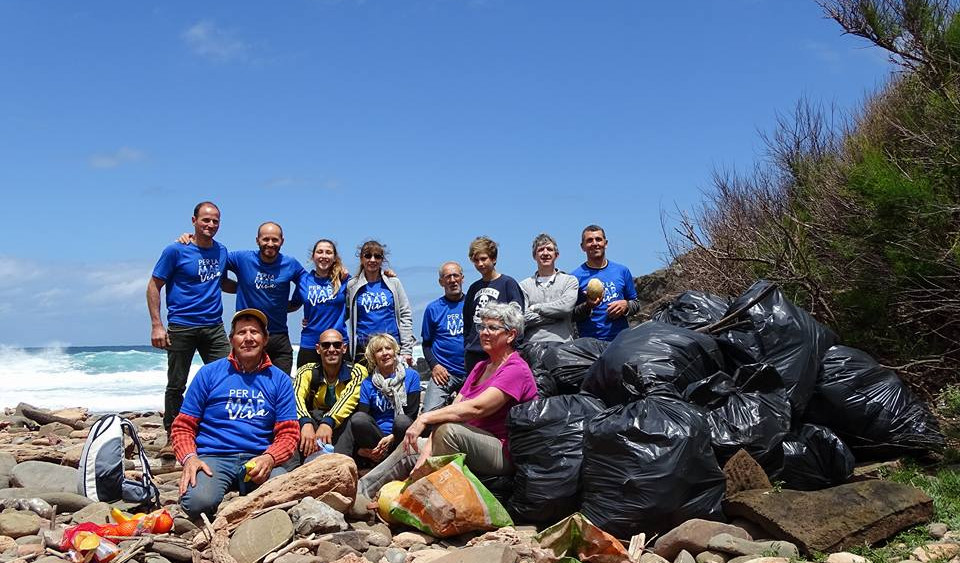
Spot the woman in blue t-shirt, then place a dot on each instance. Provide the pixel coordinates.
(389, 402)
(378, 303)
(323, 293)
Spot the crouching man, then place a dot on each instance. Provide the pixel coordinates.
(237, 410)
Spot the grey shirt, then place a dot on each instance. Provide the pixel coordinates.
(549, 307)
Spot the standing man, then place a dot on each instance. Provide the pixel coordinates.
(442, 336)
(238, 423)
(550, 294)
(264, 281)
(192, 274)
(327, 393)
(492, 287)
(605, 316)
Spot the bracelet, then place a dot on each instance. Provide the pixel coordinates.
(186, 457)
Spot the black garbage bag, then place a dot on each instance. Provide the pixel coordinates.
(648, 465)
(692, 309)
(568, 363)
(749, 410)
(870, 408)
(546, 445)
(814, 458)
(651, 350)
(779, 333)
(532, 353)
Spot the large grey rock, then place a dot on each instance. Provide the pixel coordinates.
(693, 536)
(56, 429)
(834, 519)
(172, 551)
(19, 523)
(259, 536)
(312, 516)
(740, 546)
(65, 502)
(492, 553)
(44, 476)
(7, 461)
(98, 513)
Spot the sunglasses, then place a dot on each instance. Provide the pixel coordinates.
(370, 255)
(327, 345)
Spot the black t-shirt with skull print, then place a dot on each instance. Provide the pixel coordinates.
(504, 289)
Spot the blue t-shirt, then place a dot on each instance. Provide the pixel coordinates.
(192, 276)
(265, 286)
(504, 289)
(376, 311)
(238, 411)
(617, 284)
(381, 409)
(322, 308)
(443, 330)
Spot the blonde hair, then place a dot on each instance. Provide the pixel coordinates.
(482, 245)
(337, 270)
(376, 342)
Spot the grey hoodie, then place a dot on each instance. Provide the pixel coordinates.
(549, 308)
(401, 310)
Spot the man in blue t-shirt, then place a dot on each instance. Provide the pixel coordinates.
(603, 317)
(192, 274)
(442, 336)
(264, 281)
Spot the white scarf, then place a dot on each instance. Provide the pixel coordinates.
(393, 388)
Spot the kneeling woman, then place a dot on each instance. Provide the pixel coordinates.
(476, 423)
(389, 401)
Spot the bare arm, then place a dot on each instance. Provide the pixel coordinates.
(484, 404)
(158, 334)
(228, 285)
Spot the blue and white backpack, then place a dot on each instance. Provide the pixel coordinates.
(100, 475)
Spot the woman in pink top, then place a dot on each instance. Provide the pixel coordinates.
(476, 422)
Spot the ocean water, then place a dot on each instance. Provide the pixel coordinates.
(100, 378)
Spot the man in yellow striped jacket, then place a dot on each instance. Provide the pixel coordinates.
(327, 392)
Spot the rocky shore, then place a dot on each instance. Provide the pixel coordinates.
(310, 516)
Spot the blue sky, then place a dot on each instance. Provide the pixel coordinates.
(422, 123)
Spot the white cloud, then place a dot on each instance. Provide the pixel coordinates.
(117, 283)
(214, 43)
(112, 160)
(15, 271)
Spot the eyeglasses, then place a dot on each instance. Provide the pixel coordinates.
(327, 345)
(375, 256)
(489, 328)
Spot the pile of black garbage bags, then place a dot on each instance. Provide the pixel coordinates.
(633, 433)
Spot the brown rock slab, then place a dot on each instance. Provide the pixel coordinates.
(936, 552)
(172, 551)
(19, 523)
(259, 536)
(693, 536)
(331, 472)
(56, 429)
(44, 476)
(836, 518)
(743, 473)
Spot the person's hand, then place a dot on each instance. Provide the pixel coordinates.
(409, 359)
(262, 468)
(325, 433)
(159, 337)
(308, 441)
(420, 468)
(592, 302)
(440, 375)
(188, 478)
(382, 448)
(617, 309)
(411, 435)
(303, 322)
(185, 238)
(389, 273)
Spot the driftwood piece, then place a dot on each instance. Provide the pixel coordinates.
(41, 416)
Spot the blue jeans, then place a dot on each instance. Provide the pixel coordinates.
(438, 396)
(212, 344)
(228, 473)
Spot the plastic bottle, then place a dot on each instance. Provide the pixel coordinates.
(324, 448)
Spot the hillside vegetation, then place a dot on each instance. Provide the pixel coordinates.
(858, 216)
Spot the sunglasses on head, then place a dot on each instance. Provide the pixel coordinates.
(326, 345)
(376, 256)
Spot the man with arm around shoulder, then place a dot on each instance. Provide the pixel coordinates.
(192, 275)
